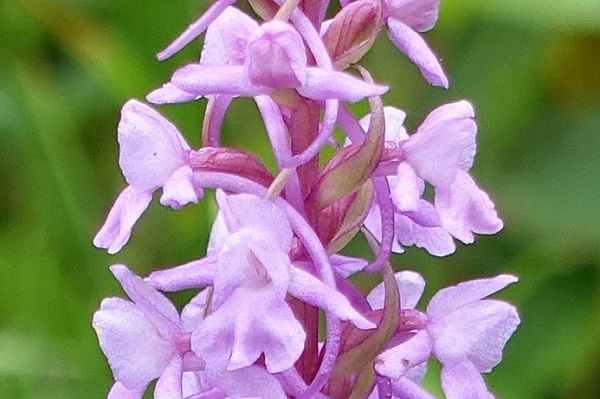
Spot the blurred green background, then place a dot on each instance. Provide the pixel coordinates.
(531, 68)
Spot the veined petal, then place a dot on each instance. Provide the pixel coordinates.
(282, 45)
(226, 79)
(477, 331)
(136, 352)
(410, 286)
(170, 94)
(151, 147)
(465, 209)
(313, 291)
(322, 84)
(463, 381)
(179, 189)
(412, 44)
(127, 209)
(452, 298)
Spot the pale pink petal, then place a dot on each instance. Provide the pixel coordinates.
(170, 94)
(322, 84)
(118, 391)
(410, 286)
(169, 385)
(435, 240)
(420, 15)
(282, 45)
(156, 307)
(227, 79)
(394, 124)
(406, 188)
(136, 352)
(346, 266)
(226, 37)
(194, 274)
(249, 382)
(412, 44)
(252, 321)
(373, 224)
(463, 381)
(179, 189)
(151, 147)
(465, 209)
(452, 298)
(405, 388)
(396, 361)
(127, 209)
(438, 153)
(313, 291)
(426, 215)
(477, 331)
(194, 312)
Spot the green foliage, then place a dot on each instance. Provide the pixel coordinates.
(531, 68)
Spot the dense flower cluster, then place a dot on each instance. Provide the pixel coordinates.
(273, 262)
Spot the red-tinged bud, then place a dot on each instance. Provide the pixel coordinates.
(352, 32)
(231, 161)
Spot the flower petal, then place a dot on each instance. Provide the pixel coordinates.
(118, 391)
(249, 382)
(435, 240)
(420, 15)
(194, 274)
(463, 381)
(151, 147)
(226, 79)
(405, 388)
(169, 385)
(394, 124)
(410, 286)
(396, 361)
(323, 84)
(406, 188)
(127, 209)
(465, 209)
(179, 189)
(412, 44)
(170, 94)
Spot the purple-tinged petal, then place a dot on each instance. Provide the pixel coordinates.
(477, 331)
(394, 362)
(170, 94)
(322, 84)
(405, 388)
(218, 234)
(463, 381)
(426, 215)
(410, 286)
(169, 385)
(437, 154)
(452, 298)
(394, 124)
(262, 216)
(373, 224)
(252, 321)
(127, 209)
(406, 188)
(249, 382)
(313, 291)
(447, 113)
(465, 209)
(151, 147)
(225, 79)
(118, 391)
(346, 266)
(412, 44)
(137, 353)
(282, 45)
(195, 311)
(156, 307)
(435, 240)
(179, 189)
(226, 37)
(195, 274)
(420, 15)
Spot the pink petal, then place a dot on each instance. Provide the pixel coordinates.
(179, 189)
(435, 240)
(463, 381)
(322, 84)
(346, 266)
(407, 389)
(396, 361)
(252, 321)
(282, 45)
(195, 274)
(151, 148)
(452, 298)
(477, 331)
(373, 224)
(438, 153)
(118, 391)
(156, 307)
(170, 94)
(226, 37)
(412, 44)
(394, 124)
(136, 352)
(204, 80)
(420, 15)
(194, 312)
(313, 291)
(126, 210)
(406, 188)
(465, 209)
(249, 382)
(410, 286)
(169, 385)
